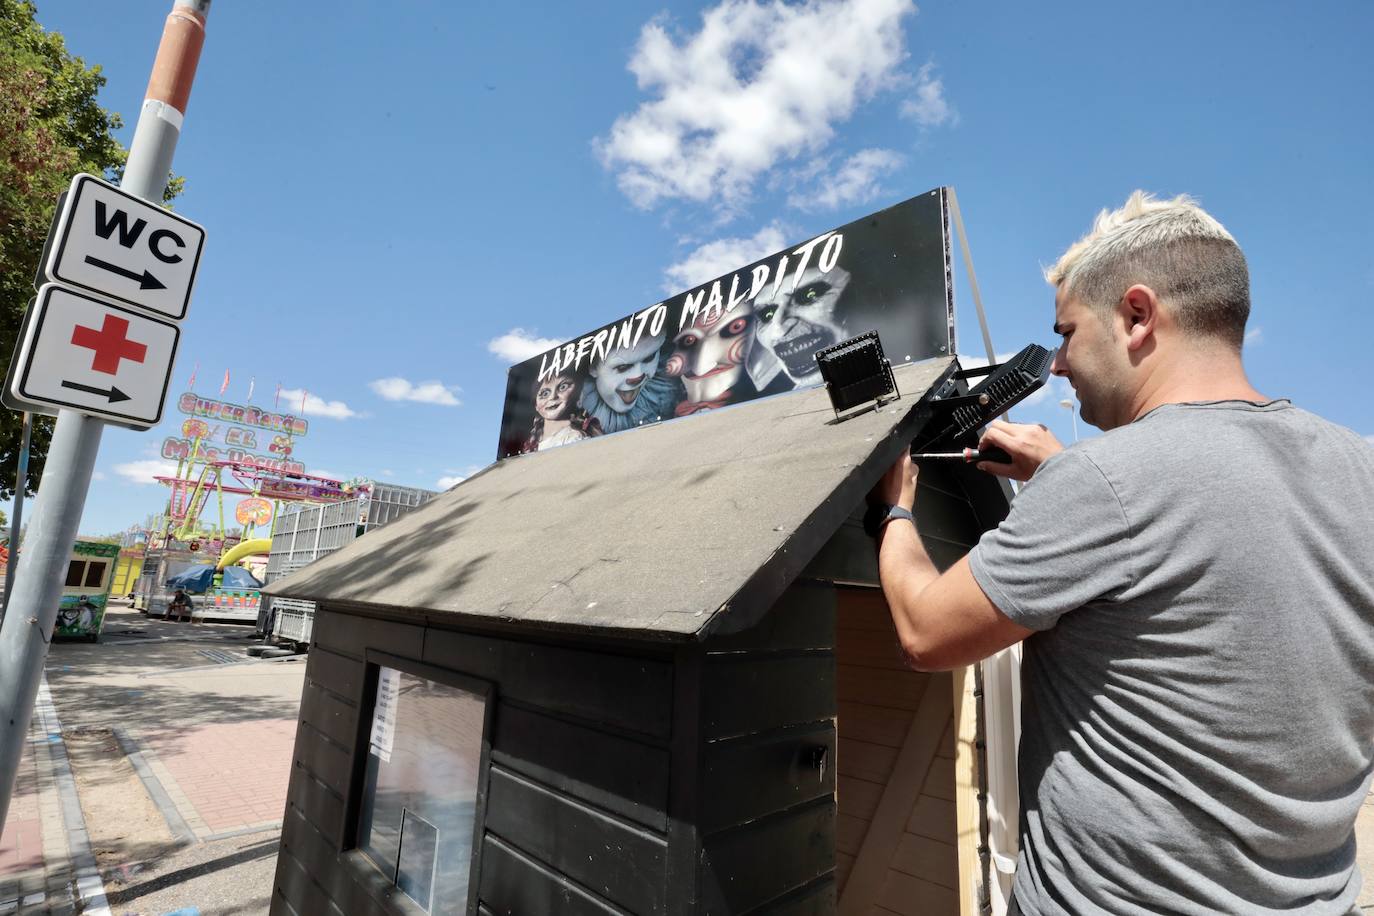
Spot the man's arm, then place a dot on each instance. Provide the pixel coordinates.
(945, 620)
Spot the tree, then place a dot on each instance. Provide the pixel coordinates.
(51, 127)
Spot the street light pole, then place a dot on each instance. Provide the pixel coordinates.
(21, 483)
(32, 614)
(1073, 414)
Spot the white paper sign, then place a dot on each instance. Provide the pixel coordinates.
(384, 713)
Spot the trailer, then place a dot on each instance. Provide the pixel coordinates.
(151, 594)
(306, 533)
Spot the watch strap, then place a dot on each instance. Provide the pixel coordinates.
(879, 515)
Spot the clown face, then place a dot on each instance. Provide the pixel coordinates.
(623, 372)
(554, 398)
(794, 325)
(710, 355)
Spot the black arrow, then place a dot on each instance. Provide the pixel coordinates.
(113, 393)
(145, 280)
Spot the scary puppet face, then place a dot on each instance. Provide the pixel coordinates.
(554, 398)
(623, 372)
(710, 354)
(795, 324)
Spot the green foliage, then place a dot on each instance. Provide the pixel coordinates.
(51, 127)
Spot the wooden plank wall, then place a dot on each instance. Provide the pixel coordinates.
(898, 832)
(766, 810)
(577, 803)
(897, 843)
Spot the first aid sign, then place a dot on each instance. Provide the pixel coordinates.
(116, 245)
(85, 354)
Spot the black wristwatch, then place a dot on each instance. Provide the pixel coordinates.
(880, 514)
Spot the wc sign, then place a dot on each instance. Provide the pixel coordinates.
(124, 248)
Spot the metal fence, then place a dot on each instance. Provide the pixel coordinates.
(304, 534)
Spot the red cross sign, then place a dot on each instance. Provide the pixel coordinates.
(81, 353)
(111, 344)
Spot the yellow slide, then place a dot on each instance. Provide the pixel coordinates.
(253, 548)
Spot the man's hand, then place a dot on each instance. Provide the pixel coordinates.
(1029, 444)
(898, 485)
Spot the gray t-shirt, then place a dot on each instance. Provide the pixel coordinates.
(1198, 713)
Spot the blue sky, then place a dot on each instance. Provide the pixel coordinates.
(397, 195)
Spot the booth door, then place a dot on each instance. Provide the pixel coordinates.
(896, 840)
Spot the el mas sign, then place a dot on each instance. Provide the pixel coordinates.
(122, 247)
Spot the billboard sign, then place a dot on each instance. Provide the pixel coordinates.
(750, 333)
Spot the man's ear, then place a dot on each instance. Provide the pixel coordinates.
(1139, 314)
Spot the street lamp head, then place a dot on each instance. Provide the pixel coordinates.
(1066, 403)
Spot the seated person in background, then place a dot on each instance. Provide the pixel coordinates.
(180, 606)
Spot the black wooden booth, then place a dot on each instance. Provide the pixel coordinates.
(645, 673)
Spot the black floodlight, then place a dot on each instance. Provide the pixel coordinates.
(856, 374)
(1006, 385)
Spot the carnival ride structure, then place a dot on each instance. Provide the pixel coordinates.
(252, 548)
(191, 494)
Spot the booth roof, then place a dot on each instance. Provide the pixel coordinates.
(663, 532)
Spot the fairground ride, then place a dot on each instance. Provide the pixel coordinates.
(265, 488)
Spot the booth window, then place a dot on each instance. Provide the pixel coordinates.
(95, 571)
(418, 810)
(76, 570)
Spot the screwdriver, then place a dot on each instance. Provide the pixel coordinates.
(991, 453)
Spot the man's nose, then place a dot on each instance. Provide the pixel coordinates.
(635, 380)
(1060, 365)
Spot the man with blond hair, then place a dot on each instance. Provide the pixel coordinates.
(1195, 589)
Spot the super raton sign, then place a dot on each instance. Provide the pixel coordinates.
(221, 431)
(751, 333)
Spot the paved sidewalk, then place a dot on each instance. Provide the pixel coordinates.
(175, 750)
(35, 871)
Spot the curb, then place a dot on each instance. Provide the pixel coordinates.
(181, 831)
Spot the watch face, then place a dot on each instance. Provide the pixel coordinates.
(875, 516)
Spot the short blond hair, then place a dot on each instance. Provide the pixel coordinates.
(1173, 246)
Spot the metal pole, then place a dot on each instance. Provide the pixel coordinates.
(26, 631)
(21, 483)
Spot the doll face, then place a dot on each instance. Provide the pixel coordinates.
(623, 372)
(795, 324)
(554, 398)
(710, 355)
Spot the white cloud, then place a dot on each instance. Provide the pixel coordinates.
(399, 389)
(454, 476)
(145, 469)
(388, 472)
(929, 108)
(717, 258)
(1254, 336)
(969, 361)
(518, 345)
(757, 84)
(854, 182)
(1050, 394)
(1369, 439)
(321, 472)
(98, 475)
(315, 406)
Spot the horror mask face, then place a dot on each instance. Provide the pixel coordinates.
(623, 372)
(709, 355)
(554, 398)
(795, 324)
